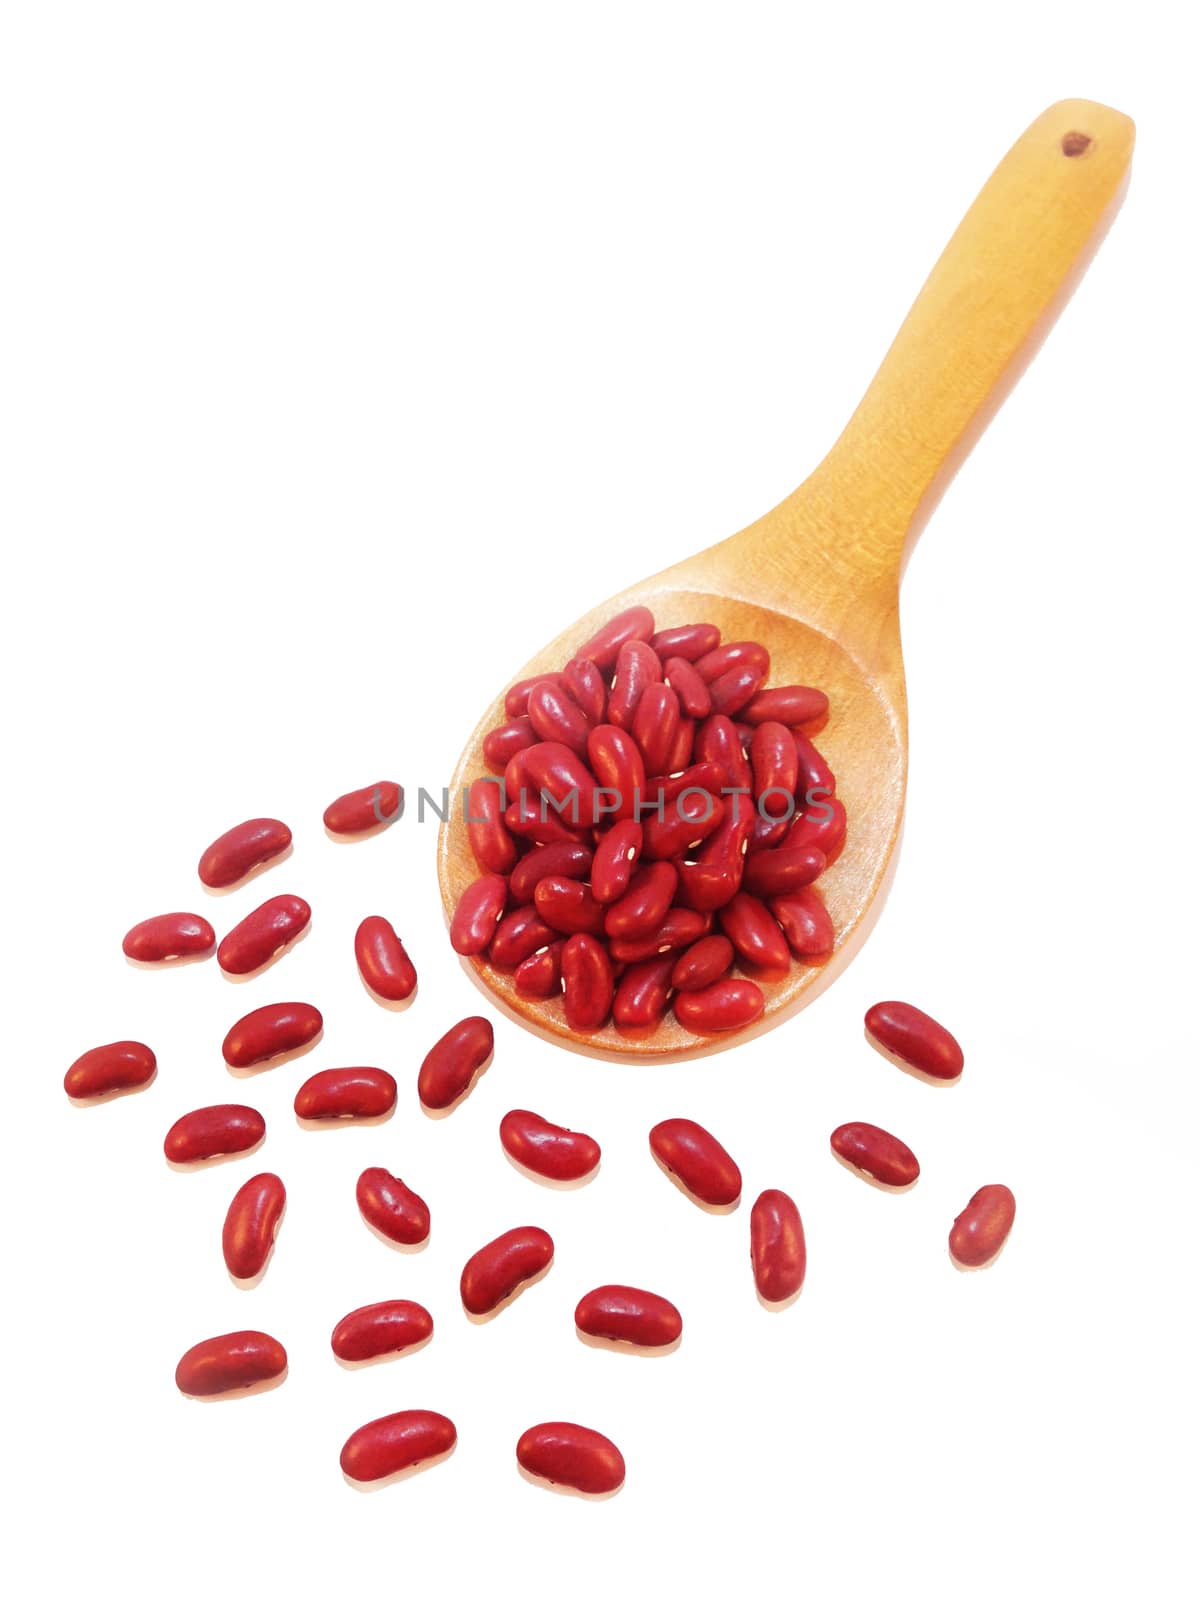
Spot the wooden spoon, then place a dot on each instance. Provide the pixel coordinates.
(817, 579)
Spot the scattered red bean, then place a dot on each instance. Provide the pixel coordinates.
(738, 653)
(230, 1361)
(704, 1167)
(449, 1069)
(587, 980)
(479, 909)
(363, 810)
(497, 1270)
(577, 1457)
(259, 937)
(700, 966)
(630, 1316)
(916, 1039)
(693, 640)
(396, 1442)
(723, 1006)
(791, 704)
(880, 1155)
(110, 1069)
(213, 1131)
(251, 1224)
(391, 1207)
(777, 1248)
(382, 1329)
(345, 1093)
(271, 1031)
(173, 936)
(807, 925)
(552, 1152)
(983, 1225)
(237, 853)
(603, 646)
(386, 966)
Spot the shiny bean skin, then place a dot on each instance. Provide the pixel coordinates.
(728, 845)
(767, 833)
(686, 821)
(782, 871)
(734, 689)
(239, 851)
(517, 936)
(261, 935)
(535, 819)
(516, 701)
(230, 1361)
(806, 923)
(660, 793)
(110, 1069)
(567, 1453)
(693, 640)
(704, 887)
(603, 647)
(540, 975)
(502, 743)
(251, 1224)
(777, 1248)
(391, 1207)
(543, 1147)
(628, 1316)
(644, 904)
(637, 668)
(585, 683)
(502, 1266)
(617, 763)
(717, 740)
(450, 1066)
(730, 1003)
(643, 992)
(755, 934)
(683, 745)
(877, 1153)
(345, 1093)
(655, 725)
(706, 961)
(775, 768)
(702, 1165)
(568, 907)
(555, 769)
(792, 704)
(381, 1329)
(271, 1031)
(479, 909)
(491, 843)
(174, 936)
(385, 965)
(213, 1131)
(556, 717)
(916, 1039)
(815, 772)
(676, 931)
(821, 827)
(564, 860)
(983, 1225)
(362, 810)
(587, 980)
(396, 1442)
(738, 653)
(694, 698)
(613, 864)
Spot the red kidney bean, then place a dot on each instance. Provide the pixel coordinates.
(363, 810)
(704, 888)
(449, 1068)
(792, 704)
(706, 961)
(170, 937)
(690, 642)
(632, 1316)
(916, 1039)
(547, 861)
(661, 792)
(755, 934)
(213, 1131)
(569, 1454)
(587, 980)
(261, 935)
(767, 833)
(738, 653)
(676, 931)
(540, 975)
(479, 909)
(584, 682)
(731, 1003)
(681, 749)
(613, 864)
(568, 907)
(687, 683)
(776, 769)
(617, 762)
(879, 1154)
(655, 726)
(491, 843)
(603, 646)
(644, 992)
(552, 1152)
(502, 743)
(110, 1069)
(686, 821)
(391, 1207)
(777, 1248)
(734, 689)
(637, 668)
(554, 769)
(381, 1329)
(815, 771)
(556, 717)
(517, 936)
(983, 1225)
(230, 1361)
(727, 847)
(270, 1031)
(386, 967)
(534, 818)
(345, 1092)
(516, 701)
(238, 852)
(396, 1442)
(704, 1167)
(717, 741)
(807, 925)
(644, 905)
(821, 826)
(251, 1224)
(502, 1266)
(782, 871)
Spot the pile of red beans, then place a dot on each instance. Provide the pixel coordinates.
(657, 820)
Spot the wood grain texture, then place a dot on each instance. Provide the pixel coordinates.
(817, 579)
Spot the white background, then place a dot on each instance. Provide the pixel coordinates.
(351, 351)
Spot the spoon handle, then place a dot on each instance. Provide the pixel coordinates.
(991, 298)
